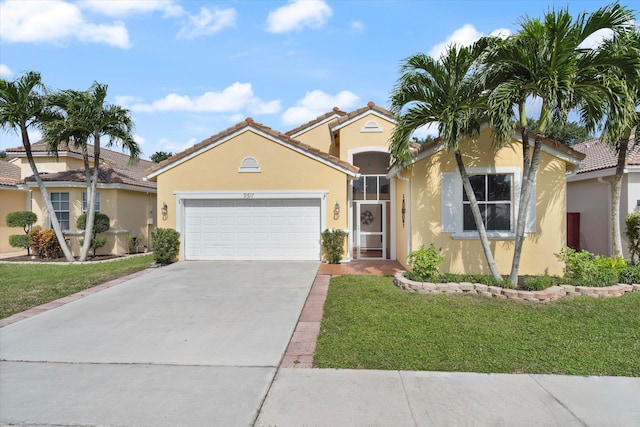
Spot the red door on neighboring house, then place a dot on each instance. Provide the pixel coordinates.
(573, 230)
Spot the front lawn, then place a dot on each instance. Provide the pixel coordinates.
(370, 324)
(23, 286)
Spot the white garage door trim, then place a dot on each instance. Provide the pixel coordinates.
(181, 197)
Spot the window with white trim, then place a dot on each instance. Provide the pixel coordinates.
(497, 190)
(97, 202)
(60, 202)
(494, 195)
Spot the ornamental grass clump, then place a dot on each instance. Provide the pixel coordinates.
(424, 264)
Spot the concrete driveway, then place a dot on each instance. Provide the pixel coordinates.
(194, 343)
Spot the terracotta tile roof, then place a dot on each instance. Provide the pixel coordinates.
(360, 111)
(600, 155)
(9, 174)
(252, 124)
(106, 175)
(335, 112)
(117, 163)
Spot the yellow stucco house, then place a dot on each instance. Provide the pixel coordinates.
(251, 193)
(123, 194)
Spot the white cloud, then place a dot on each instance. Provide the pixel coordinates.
(5, 71)
(55, 21)
(464, 36)
(233, 99)
(127, 100)
(141, 140)
(357, 26)
(122, 8)
(208, 21)
(299, 14)
(175, 146)
(316, 103)
(595, 39)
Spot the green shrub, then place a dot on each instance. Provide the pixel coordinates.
(45, 243)
(633, 235)
(24, 219)
(630, 274)
(586, 269)
(166, 245)
(101, 223)
(333, 245)
(424, 264)
(539, 283)
(20, 241)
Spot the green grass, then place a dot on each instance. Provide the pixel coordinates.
(23, 286)
(370, 324)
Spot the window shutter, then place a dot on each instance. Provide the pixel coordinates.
(530, 225)
(449, 202)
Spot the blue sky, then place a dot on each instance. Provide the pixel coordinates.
(190, 69)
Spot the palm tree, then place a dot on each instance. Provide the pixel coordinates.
(620, 123)
(448, 92)
(83, 115)
(546, 60)
(21, 108)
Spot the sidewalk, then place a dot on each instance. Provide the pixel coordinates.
(328, 397)
(332, 397)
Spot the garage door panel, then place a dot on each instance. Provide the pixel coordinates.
(252, 229)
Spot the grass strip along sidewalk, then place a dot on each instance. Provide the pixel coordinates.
(23, 286)
(370, 324)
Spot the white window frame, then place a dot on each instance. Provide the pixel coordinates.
(486, 203)
(98, 201)
(59, 211)
(452, 203)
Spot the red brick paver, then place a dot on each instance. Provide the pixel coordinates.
(302, 346)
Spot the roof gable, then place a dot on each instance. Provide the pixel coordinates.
(336, 113)
(353, 116)
(249, 126)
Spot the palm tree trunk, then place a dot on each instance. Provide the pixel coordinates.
(91, 196)
(45, 195)
(523, 209)
(475, 209)
(615, 198)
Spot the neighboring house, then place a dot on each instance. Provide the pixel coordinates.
(250, 192)
(122, 194)
(589, 194)
(12, 198)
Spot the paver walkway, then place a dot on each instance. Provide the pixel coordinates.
(302, 346)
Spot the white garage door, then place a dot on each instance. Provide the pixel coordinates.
(266, 229)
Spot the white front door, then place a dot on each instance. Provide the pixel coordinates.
(370, 239)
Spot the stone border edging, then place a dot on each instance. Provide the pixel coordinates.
(550, 294)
